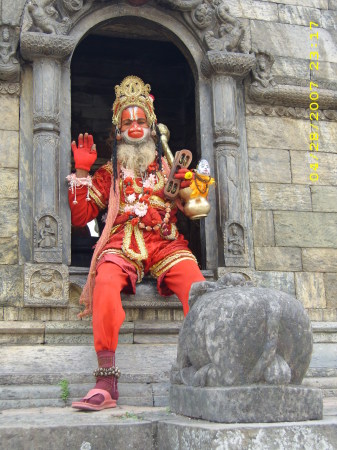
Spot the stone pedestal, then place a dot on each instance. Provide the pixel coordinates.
(248, 404)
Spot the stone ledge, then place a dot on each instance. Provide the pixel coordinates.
(247, 404)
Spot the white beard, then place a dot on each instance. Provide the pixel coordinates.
(136, 156)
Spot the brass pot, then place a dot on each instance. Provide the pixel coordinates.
(194, 208)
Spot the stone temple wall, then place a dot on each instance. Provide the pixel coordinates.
(294, 221)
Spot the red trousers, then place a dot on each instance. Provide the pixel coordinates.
(108, 312)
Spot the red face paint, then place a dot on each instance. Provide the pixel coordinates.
(134, 122)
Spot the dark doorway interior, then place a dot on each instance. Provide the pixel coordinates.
(99, 63)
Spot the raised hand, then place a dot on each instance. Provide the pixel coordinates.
(85, 153)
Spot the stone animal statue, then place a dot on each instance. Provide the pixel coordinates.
(237, 334)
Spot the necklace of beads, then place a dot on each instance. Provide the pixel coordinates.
(138, 205)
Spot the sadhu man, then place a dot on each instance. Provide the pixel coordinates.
(140, 234)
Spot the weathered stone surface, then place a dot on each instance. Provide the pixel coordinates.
(328, 135)
(10, 313)
(280, 196)
(326, 171)
(320, 260)
(11, 285)
(26, 314)
(21, 333)
(9, 183)
(279, 133)
(9, 112)
(333, 4)
(42, 314)
(12, 11)
(247, 403)
(48, 364)
(9, 149)
(284, 281)
(321, 4)
(326, 72)
(269, 165)
(330, 285)
(8, 217)
(299, 15)
(9, 250)
(291, 67)
(278, 258)
(79, 432)
(305, 229)
(253, 9)
(310, 289)
(266, 36)
(263, 227)
(329, 20)
(324, 198)
(226, 338)
(186, 434)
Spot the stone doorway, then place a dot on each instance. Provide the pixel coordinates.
(100, 62)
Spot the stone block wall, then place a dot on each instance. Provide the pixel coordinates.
(294, 219)
(11, 285)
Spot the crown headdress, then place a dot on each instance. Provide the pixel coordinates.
(133, 92)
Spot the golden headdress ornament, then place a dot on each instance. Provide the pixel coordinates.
(133, 92)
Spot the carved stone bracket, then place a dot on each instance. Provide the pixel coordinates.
(47, 238)
(235, 244)
(234, 64)
(46, 285)
(34, 45)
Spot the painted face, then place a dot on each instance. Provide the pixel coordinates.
(134, 126)
(203, 167)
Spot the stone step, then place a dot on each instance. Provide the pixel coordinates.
(138, 332)
(147, 304)
(153, 428)
(80, 332)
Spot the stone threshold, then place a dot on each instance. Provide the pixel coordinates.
(151, 428)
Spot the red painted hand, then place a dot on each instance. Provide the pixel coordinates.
(85, 153)
(186, 176)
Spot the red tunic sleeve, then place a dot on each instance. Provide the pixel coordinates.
(84, 211)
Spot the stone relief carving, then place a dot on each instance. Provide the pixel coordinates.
(235, 244)
(264, 89)
(46, 285)
(45, 18)
(47, 232)
(283, 111)
(47, 238)
(9, 64)
(9, 88)
(231, 32)
(261, 74)
(202, 16)
(73, 5)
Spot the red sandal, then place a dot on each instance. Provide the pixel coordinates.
(84, 404)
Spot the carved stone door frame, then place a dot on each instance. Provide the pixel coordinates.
(45, 139)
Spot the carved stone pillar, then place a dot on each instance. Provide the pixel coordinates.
(49, 277)
(225, 69)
